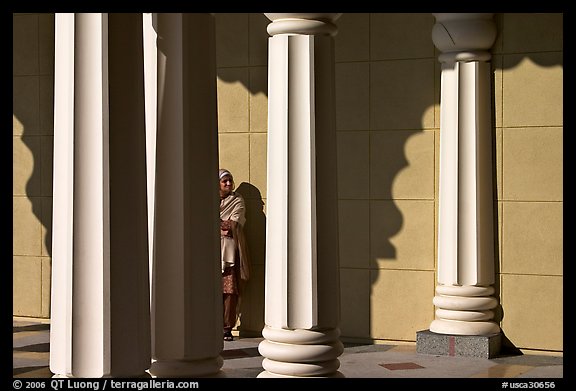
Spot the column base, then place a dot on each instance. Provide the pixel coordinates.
(300, 353)
(482, 346)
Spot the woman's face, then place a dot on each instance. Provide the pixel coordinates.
(226, 185)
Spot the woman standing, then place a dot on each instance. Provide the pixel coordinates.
(234, 254)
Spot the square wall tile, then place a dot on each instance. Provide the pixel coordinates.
(46, 164)
(533, 311)
(499, 162)
(17, 126)
(26, 226)
(46, 263)
(533, 164)
(354, 233)
(394, 292)
(402, 234)
(234, 154)
(46, 105)
(26, 166)
(26, 105)
(233, 100)
(352, 86)
(25, 51)
(412, 30)
(533, 238)
(46, 43)
(256, 230)
(533, 90)
(355, 303)
(258, 44)
(232, 39)
(252, 303)
(27, 286)
(352, 41)
(437, 93)
(532, 32)
(402, 94)
(402, 165)
(258, 164)
(498, 88)
(46, 220)
(259, 99)
(353, 164)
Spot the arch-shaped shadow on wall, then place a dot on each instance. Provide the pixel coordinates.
(21, 110)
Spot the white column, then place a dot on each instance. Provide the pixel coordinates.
(150, 98)
(187, 315)
(100, 319)
(302, 281)
(464, 300)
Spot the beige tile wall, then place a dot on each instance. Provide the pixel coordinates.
(402, 234)
(354, 234)
(532, 238)
(533, 89)
(533, 311)
(529, 105)
(402, 165)
(400, 303)
(353, 165)
(32, 131)
(387, 116)
(355, 302)
(386, 96)
(532, 164)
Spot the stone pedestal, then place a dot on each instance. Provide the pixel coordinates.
(482, 346)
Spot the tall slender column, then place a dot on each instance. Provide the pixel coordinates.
(302, 284)
(464, 300)
(100, 309)
(150, 98)
(186, 284)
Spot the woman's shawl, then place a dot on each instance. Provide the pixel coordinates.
(233, 208)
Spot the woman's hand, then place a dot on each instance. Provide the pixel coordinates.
(225, 225)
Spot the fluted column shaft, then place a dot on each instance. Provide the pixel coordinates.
(186, 284)
(464, 300)
(302, 281)
(100, 319)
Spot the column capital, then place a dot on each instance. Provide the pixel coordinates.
(464, 35)
(302, 23)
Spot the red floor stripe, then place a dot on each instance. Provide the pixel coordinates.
(451, 349)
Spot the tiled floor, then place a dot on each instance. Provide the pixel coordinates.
(31, 347)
